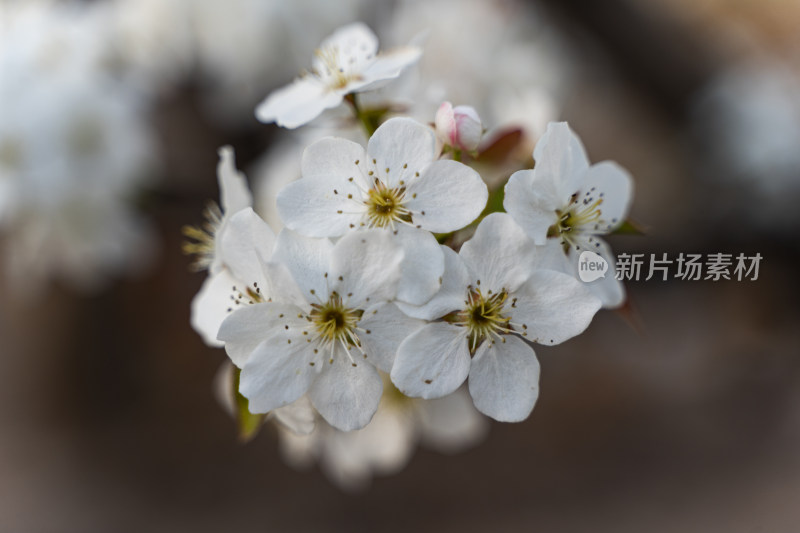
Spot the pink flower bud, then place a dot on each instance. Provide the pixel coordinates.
(459, 127)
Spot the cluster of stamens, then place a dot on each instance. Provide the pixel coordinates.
(579, 214)
(336, 323)
(385, 205)
(334, 75)
(201, 243)
(484, 318)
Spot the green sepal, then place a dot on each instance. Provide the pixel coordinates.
(248, 424)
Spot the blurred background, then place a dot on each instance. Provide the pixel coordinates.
(111, 114)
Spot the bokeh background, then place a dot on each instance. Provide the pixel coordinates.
(683, 415)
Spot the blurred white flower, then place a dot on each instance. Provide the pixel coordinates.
(566, 204)
(493, 296)
(385, 446)
(346, 62)
(74, 150)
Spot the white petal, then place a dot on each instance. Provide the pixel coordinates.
(233, 190)
(451, 424)
(298, 417)
(561, 162)
(298, 103)
(402, 145)
(210, 306)
(504, 380)
(554, 307)
(432, 362)
(608, 289)
(347, 394)
(449, 195)
(500, 255)
(320, 207)
(614, 185)
(422, 267)
(335, 160)
(278, 372)
(365, 267)
(385, 328)
(246, 242)
(531, 207)
(249, 326)
(308, 261)
(389, 65)
(354, 42)
(451, 296)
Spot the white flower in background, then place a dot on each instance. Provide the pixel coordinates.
(74, 150)
(385, 446)
(324, 333)
(395, 185)
(566, 204)
(493, 296)
(231, 244)
(346, 62)
(458, 127)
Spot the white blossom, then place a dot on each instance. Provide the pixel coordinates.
(396, 184)
(326, 327)
(566, 204)
(493, 299)
(346, 62)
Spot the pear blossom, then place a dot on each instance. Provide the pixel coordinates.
(493, 299)
(396, 184)
(566, 204)
(458, 127)
(346, 62)
(350, 459)
(230, 244)
(325, 328)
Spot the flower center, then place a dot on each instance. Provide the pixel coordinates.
(335, 322)
(385, 205)
(201, 239)
(484, 318)
(330, 70)
(582, 211)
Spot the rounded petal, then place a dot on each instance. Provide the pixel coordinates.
(346, 394)
(504, 379)
(335, 160)
(612, 183)
(365, 267)
(247, 327)
(385, 327)
(561, 162)
(320, 207)
(307, 259)
(389, 65)
(210, 306)
(423, 265)
(432, 362)
(278, 372)
(245, 243)
(499, 255)
(400, 149)
(354, 42)
(553, 307)
(298, 417)
(446, 197)
(451, 296)
(298, 103)
(233, 190)
(532, 208)
(608, 289)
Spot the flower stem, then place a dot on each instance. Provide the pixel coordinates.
(363, 118)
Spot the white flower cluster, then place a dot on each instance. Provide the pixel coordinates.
(371, 285)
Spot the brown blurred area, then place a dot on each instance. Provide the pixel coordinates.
(692, 423)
